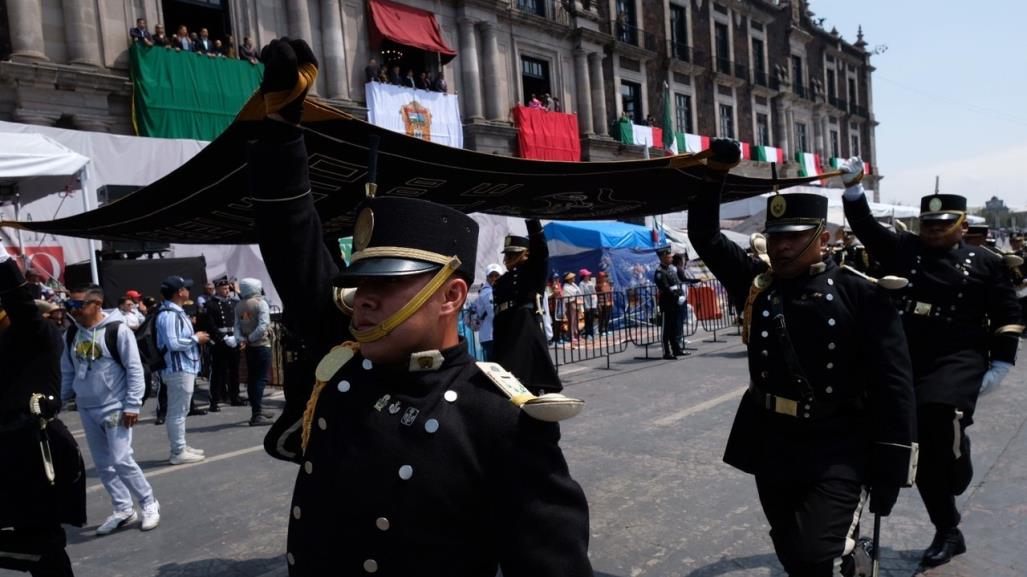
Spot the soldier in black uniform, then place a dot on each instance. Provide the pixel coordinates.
(671, 299)
(960, 316)
(853, 253)
(519, 342)
(219, 321)
(413, 460)
(36, 494)
(830, 407)
(1019, 274)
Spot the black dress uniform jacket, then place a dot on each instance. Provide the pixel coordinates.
(956, 299)
(219, 313)
(518, 341)
(429, 472)
(860, 420)
(30, 352)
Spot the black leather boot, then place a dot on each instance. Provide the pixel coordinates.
(947, 543)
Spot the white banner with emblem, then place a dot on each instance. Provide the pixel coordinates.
(432, 116)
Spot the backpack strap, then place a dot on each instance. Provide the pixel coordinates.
(110, 338)
(69, 340)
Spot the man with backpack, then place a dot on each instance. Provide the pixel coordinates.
(101, 366)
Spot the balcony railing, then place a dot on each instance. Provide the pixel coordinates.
(634, 36)
(741, 71)
(549, 9)
(723, 65)
(841, 104)
(799, 89)
(681, 51)
(859, 111)
(832, 99)
(759, 77)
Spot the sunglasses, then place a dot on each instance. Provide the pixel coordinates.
(74, 305)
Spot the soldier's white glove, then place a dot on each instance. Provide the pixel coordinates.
(231, 342)
(681, 300)
(993, 378)
(852, 177)
(4, 257)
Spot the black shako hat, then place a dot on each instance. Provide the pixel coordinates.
(942, 207)
(406, 236)
(795, 212)
(514, 243)
(977, 229)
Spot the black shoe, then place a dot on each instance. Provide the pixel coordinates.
(197, 412)
(239, 403)
(260, 421)
(214, 409)
(670, 357)
(159, 421)
(680, 354)
(947, 543)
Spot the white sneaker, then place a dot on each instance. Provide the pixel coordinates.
(193, 450)
(151, 516)
(116, 520)
(185, 457)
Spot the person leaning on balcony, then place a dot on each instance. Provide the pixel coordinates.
(372, 70)
(440, 83)
(183, 43)
(159, 37)
(248, 51)
(139, 34)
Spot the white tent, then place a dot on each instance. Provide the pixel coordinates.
(32, 166)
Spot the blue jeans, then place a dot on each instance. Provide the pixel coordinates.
(258, 363)
(180, 391)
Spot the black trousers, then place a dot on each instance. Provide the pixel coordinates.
(224, 374)
(813, 524)
(671, 328)
(36, 549)
(943, 471)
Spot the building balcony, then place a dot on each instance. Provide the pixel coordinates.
(799, 89)
(681, 51)
(724, 65)
(551, 10)
(741, 71)
(840, 104)
(857, 110)
(759, 78)
(628, 34)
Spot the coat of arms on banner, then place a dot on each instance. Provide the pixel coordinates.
(416, 120)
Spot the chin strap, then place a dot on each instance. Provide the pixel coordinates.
(957, 224)
(399, 317)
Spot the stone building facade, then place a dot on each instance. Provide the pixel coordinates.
(764, 72)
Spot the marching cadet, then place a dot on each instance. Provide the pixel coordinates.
(414, 460)
(671, 299)
(519, 341)
(976, 234)
(1019, 274)
(44, 483)
(829, 410)
(853, 253)
(219, 319)
(962, 320)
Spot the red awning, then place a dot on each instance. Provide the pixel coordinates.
(409, 26)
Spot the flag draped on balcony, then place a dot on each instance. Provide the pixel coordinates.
(836, 162)
(640, 134)
(809, 164)
(769, 154)
(670, 141)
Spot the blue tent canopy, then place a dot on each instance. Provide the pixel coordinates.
(595, 234)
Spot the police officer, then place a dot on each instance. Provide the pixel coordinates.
(962, 321)
(519, 341)
(414, 461)
(829, 410)
(671, 299)
(37, 493)
(219, 319)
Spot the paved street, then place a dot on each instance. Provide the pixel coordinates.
(647, 450)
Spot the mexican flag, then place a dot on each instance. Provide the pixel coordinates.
(769, 154)
(669, 141)
(836, 162)
(746, 150)
(640, 134)
(692, 143)
(809, 165)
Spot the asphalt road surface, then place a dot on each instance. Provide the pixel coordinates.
(647, 450)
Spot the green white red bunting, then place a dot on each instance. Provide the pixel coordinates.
(836, 162)
(691, 143)
(809, 165)
(769, 154)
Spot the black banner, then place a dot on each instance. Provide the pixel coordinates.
(206, 200)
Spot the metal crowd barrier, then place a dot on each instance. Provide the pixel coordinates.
(582, 329)
(713, 308)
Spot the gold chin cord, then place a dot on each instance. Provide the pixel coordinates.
(388, 325)
(957, 224)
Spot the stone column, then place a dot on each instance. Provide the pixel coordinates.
(80, 32)
(471, 82)
(583, 90)
(26, 24)
(334, 53)
(493, 85)
(600, 123)
(298, 13)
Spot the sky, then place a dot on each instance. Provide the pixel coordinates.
(950, 94)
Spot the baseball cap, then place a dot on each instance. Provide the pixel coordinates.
(134, 294)
(176, 283)
(493, 268)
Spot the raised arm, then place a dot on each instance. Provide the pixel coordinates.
(880, 242)
(726, 260)
(538, 262)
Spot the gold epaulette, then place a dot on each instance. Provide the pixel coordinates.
(760, 283)
(326, 369)
(552, 407)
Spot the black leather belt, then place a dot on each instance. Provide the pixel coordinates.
(798, 408)
(513, 304)
(936, 311)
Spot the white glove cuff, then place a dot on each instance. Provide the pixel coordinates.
(853, 192)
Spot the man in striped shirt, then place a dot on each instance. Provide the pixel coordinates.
(180, 347)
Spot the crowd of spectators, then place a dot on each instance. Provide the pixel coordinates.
(200, 43)
(431, 81)
(546, 102)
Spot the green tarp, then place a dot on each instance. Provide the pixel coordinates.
(186, 94)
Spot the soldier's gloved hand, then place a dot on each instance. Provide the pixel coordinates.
(534, 225)
(286, 78)
(852, 177)
(726, 154)
(993, 378)
(230, 341)
(882, 499)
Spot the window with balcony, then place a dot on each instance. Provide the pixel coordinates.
(762, 129)
(627, 22)
(727, 121)
(536, 7)
(723, 44)
(534, 78)
(836, 151)
(683, 112)
(631, 100)
(797, 77)
(759, 66)
(679, 33)
(801, 138)
(855, 151)
(832, 88)
(853, 98)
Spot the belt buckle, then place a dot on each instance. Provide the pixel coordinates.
(786, 406)
(922, 309)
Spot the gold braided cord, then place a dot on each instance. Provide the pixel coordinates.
(275, 101)
(308, 413)
(754, 293)
(400, 252)
(388, 325)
